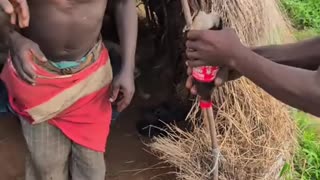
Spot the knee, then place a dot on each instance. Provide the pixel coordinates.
(91, 160)
(83, 169)
(49, 165)
(88, 163)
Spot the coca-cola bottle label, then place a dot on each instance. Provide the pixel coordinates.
(205, 73)
(205, 104)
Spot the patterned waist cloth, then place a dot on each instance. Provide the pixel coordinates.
(73, 66)
(60, 68)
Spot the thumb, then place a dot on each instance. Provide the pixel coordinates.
(37, 53)
(222, 76)
(114, 93)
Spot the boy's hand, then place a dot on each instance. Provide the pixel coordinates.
(123, 84)
(16, 9)
(22, 52)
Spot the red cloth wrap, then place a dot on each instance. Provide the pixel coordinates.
(86, 122)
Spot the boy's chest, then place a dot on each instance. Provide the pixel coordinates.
(66, 3)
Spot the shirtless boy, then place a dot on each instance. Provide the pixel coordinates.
(58, 78)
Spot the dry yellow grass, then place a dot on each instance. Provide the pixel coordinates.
(255, 131)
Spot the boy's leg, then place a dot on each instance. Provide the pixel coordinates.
(87, 164)
(48, 153)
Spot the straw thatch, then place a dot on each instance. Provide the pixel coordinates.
(255, 131)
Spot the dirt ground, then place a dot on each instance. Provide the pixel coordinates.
(127, 157)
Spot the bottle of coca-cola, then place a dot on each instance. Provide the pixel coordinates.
(203, 80)
(204, 77)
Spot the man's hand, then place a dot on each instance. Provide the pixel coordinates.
(213, 48)
(122, 90)
(22, 52)
(16, 9)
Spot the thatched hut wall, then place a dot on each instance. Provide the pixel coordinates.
(255, 131)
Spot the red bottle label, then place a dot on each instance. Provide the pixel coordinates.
(205, 104)
(205, 73)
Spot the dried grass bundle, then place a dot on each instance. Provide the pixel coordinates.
(255, 131)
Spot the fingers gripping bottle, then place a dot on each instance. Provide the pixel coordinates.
(204, 75)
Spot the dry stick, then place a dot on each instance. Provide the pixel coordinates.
(206, 121)
(213, 132)
(208, 112)
(214, 142)
(186, 12)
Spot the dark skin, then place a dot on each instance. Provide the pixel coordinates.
(63, 30)
(288, 72)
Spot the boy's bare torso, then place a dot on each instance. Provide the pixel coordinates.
(65, 29)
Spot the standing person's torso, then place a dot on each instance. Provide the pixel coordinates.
(65, 29)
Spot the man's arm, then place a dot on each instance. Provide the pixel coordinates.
(297, 87)
(127, 25)
(294, 86)
(304, 54)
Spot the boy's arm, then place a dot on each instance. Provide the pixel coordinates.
(127, 26)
